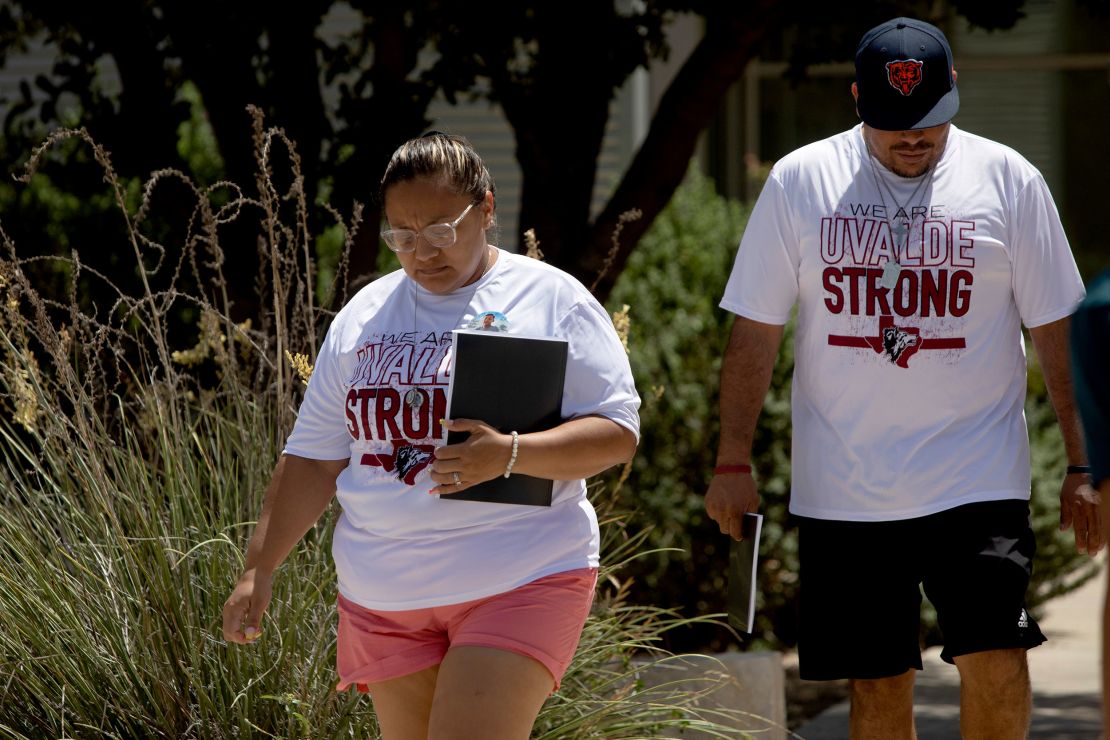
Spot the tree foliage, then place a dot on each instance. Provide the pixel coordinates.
(347, 98)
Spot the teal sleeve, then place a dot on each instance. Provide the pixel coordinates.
(1090, 352)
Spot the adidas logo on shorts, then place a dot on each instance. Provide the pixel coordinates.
(1023, 620)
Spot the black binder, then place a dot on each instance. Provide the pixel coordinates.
(511, 382)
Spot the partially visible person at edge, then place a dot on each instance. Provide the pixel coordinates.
(914, 252)
(459, 619)
(1090, 352)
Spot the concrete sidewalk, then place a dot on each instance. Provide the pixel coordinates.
(1065, 672)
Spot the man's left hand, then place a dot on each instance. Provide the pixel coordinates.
(1080, 508)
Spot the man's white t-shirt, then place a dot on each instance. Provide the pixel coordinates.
(395, 545)
(906, 401)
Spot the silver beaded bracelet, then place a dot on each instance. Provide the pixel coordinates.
(512, 457)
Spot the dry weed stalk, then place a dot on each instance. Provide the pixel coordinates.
(633, 214)
(21, 375)
(532, 245)
(623, 324)
(131, 340)
(300, 365)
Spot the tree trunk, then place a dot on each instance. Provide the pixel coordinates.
(559, 163)
(661, 163)
(558, 111)
(148, 112)
(384, 109)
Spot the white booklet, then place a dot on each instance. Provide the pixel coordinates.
(743, 564)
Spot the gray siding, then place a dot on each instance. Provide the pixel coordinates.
(1020, 107)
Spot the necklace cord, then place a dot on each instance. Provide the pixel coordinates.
(413, 398)
(880, 184)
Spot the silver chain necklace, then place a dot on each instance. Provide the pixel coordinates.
(414, 399)
(891, 268)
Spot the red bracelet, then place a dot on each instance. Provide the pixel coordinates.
(723, 469)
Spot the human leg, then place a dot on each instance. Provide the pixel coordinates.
(456, 662)
(882, 708)
(860, 613)
(996, 699)
(403, 705)
(508, 655)
(977, 584)
(394, 656)
(488, 693)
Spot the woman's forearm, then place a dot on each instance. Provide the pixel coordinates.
(578, 448)
(299, 491)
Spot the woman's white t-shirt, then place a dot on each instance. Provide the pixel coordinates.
(395, 546)
(907, 400)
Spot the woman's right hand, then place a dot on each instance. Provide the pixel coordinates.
(244, 608)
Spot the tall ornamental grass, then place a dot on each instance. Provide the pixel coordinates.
(132, 465)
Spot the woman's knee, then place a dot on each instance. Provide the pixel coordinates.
(487, 692)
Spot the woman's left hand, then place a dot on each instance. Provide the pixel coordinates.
(481, 457)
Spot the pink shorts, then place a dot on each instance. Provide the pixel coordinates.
(542, 620)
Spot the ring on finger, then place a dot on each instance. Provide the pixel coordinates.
(457, 479)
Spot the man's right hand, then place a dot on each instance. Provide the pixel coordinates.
(730, 496)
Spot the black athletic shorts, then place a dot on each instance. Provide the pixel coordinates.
(861, 582)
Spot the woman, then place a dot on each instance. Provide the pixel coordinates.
(453, 615)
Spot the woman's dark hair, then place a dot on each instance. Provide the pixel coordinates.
(436, 154)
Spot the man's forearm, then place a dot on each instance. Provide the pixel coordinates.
(1051, 343)
(745, 377)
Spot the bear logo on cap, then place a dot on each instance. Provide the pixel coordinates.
(904, 74)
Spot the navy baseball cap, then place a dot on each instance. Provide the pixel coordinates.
(904, 76)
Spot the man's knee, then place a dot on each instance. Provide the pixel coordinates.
(995, 696)
(882, 707)
(994, 670)
(995, 677)
(889, 690)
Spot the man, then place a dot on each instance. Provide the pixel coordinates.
(1090, 351)
(914, 252)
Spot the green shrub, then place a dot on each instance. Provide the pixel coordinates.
(673, 282)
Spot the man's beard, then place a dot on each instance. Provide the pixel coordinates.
(918, 169)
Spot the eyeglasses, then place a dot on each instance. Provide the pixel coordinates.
(439, 236)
